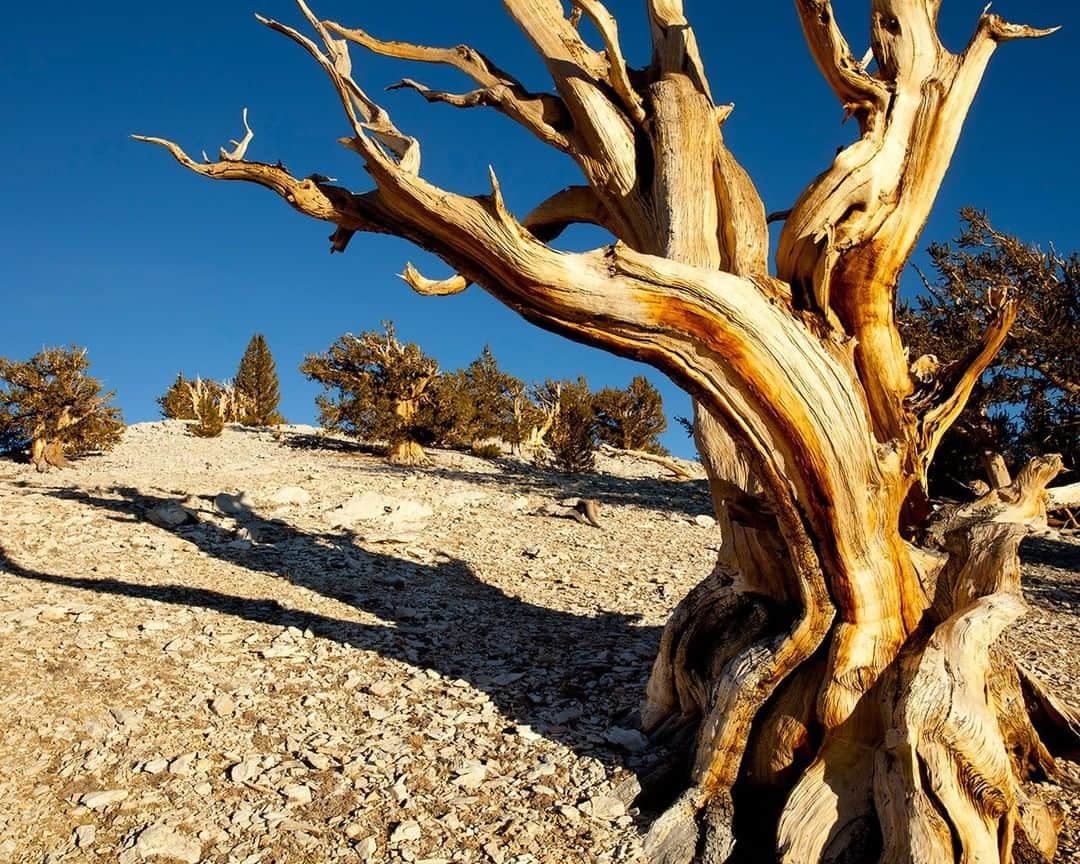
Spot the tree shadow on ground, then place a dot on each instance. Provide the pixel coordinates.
(1052, 572)
(330, 443)
(568, 676)
(687, 497)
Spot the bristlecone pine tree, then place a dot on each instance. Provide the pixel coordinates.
(1035, 376)
(573, 437)
(534, 411)
(631, 419)
(490, 393)
(377, 388)
(257, 381)
(210, 413)
(844, 692)
(175, 402)
(210, 403)
(51, 405)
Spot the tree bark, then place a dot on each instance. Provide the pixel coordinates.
(404, 450)
(997, 472)
(839, 690)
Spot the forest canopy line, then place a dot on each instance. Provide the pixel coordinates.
(845, 680)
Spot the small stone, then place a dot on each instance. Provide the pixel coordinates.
(126, 717)
(366, 849)
(494, 852)
(275, 651)
(288, 496)
(703, 520)
(297, 793)
(164, 842)
(244, 771)
(238, 505)
(85, 836)
(155, 766)
(104, 798)
(527, 733)
(203, 789)
(318, 761)
(223, 705)
(170, 515)
(381, 688)
(629, 739)
(183, 765)
(570, 813)
(606, 807)
(174, 645)
(405, 831)
(471, 777)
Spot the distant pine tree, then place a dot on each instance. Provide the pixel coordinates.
(573, 436)
(257, 383)
(631, 419)
(209, 414)
(176, 402)
(490, 391)
(378, 388)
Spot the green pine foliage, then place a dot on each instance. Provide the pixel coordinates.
(176, 403)
(489, 394)
(631, 419)
(256, 384)
(210, 418)
(50, 397)
(574, 436)
(377, 388)
(1028, 401)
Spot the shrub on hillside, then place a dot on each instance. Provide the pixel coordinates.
(209, 413)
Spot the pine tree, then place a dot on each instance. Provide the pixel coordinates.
(491, 392)
(573, 436)
(176, 401)
(377, 388)
(257, 381)
(447, 418)
(207, 401)
(1027, 402)
(50, 404)
(631, 419)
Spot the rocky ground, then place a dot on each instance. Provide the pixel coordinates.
(279, 649)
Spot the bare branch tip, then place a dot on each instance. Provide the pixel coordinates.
(1000, 30)
(433, 287)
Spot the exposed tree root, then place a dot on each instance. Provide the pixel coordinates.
(931, 765)
(406, 453)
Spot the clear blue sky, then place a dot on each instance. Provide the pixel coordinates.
(109, 244)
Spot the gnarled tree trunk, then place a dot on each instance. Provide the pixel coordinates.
(843, 681)
(406, 451)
